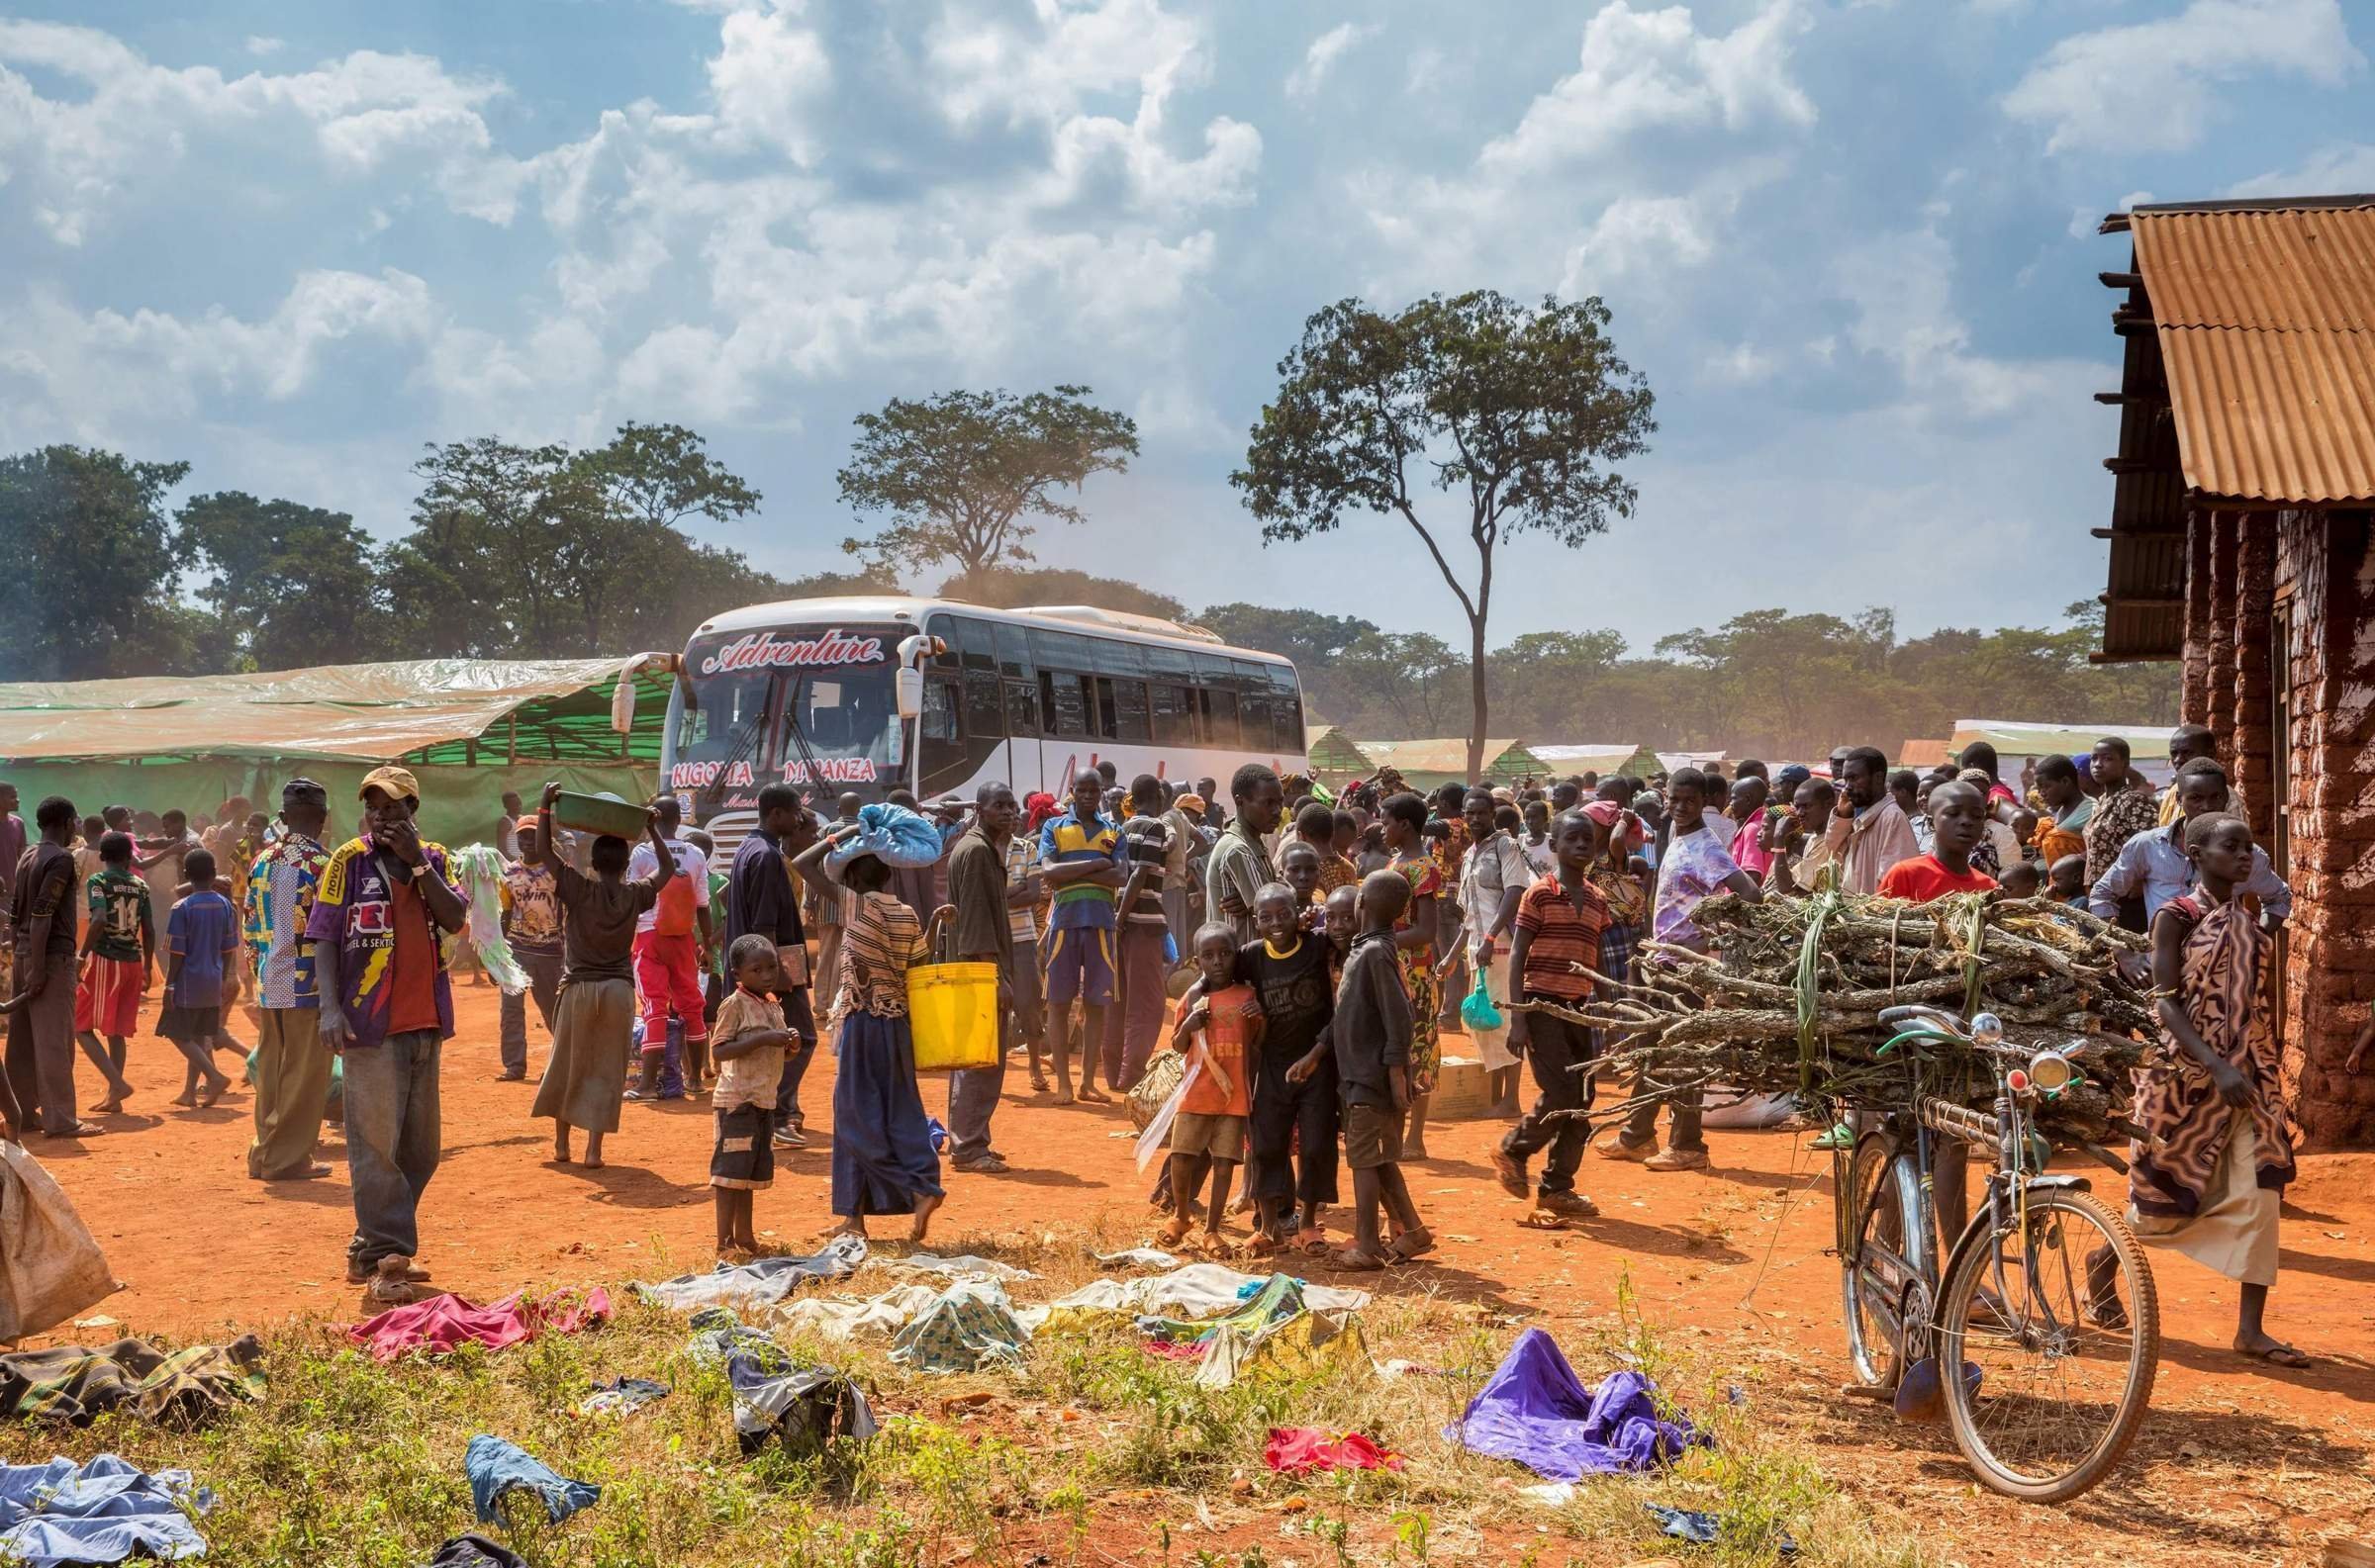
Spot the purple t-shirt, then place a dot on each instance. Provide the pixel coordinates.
(1695, 865)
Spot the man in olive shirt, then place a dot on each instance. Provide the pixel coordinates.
(1239, 866)
(977, 888)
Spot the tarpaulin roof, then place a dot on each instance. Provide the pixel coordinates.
(1604, 758)
(2013, 738)
(427, 711)
(1441, 761)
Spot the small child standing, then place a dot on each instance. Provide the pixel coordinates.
(1219, 1030)
(1299, 868)
(1373, 1033)
(748, 1044)
(201, 935)
(120, 940)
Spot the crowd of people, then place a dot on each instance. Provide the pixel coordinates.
(1304, 952)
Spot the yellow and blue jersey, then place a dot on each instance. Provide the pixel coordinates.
(1067, 839)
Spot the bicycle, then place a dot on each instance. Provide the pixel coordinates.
(2046, 1303)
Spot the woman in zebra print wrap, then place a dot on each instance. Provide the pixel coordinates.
(2211, 1182)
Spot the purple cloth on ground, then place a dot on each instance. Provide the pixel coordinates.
(1536, 1411)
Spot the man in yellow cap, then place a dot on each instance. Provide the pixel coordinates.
(387, 1007)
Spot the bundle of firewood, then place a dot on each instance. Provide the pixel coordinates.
(1789, 1000)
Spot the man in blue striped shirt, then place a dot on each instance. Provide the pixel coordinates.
(1081, 861)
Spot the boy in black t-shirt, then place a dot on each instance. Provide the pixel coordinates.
(1292, 1129)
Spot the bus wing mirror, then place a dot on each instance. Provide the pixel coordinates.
(910, 694)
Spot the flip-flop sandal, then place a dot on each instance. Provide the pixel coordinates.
(1413, 1243)
(1311, 1243)
(1510, 1174)
(1358, 1262)
(1543, 1220)
(2290, 1358)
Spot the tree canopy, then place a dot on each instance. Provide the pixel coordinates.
(87, 593)
(957, 474)
(1519, 408)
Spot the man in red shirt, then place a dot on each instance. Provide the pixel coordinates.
(1559, 924)
(1958, 822)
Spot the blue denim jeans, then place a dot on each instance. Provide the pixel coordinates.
(393, 1141)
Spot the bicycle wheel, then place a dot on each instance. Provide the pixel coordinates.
(2057, 1366)
(1885, 1268)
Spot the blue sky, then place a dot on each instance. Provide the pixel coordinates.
(1852, 244)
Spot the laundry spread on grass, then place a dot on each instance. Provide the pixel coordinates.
(963, 1265)
(497, 1466)
(852, 1316)
(622, 1397)
(759, 1283)
(1308, 1344)
(963, 1329)
(1139, 1258)
(448, 1321)
(1198, 1292)
(108, 1511)
(1272, 1302)
(1705, 1530)
(177, 1388)
(1296, 1451)
(474, 1551)
(774, 1395)
(1536, 1411)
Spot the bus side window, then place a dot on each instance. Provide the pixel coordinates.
(940, 710)
(984, 715)
(1064, 705)
(1216, 697)
(1174, 714)
(1285, 709)
(1023, 709)
(1131, 722)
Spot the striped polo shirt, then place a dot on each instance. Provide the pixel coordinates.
(1066, 839)
(1562, 934)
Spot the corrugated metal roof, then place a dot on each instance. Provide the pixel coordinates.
(2265, 318)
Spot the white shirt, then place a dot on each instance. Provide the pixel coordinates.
(691, 864)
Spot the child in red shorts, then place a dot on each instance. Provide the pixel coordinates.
(119, 944)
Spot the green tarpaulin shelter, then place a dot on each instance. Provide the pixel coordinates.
(470, 728)
(1334, 757)
(1607, 759)
(1432, 763)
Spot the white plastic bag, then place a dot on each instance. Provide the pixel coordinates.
(50, 1269)
(1150, 1141)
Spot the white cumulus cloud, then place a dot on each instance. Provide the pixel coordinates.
(2152, 86)
(1325, 51)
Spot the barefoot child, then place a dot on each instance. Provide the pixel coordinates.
(1373, 1033)
(883, 1158)
(593, 1023)
(120, 942)
(2213, 1179)
(748, 1044)
(201, 933)
(1219, 1031)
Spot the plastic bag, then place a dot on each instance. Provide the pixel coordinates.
(1158, 1130)
(50, 1267)
(1476, 1009)
(894, 835)
(476, 869)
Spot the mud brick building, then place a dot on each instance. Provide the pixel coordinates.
(2244, 489)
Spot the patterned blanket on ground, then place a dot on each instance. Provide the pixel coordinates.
(173, 1387)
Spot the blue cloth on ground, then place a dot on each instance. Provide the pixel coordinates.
(939, 1134)
(106, 1511)
(774, 1393)
(1702, 1529)
(1536, 1411)
(891, 834)
(622, 1397)
(474, 1551)
(496, 1466)
(761, 1283)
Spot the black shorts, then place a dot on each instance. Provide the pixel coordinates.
(189, 1025)
(745, 1152)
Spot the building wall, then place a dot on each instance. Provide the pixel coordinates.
(2320, 567)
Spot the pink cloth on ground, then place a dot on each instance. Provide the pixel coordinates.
(1296, 1449)
(446, 1322)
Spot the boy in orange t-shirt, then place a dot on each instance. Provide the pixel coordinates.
(1219, 1029)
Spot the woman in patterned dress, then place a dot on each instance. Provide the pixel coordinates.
(1407, 849)
(2211, 1182)
(2124, 807)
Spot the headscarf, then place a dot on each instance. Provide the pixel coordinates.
(1037, 807)
(1610, 815)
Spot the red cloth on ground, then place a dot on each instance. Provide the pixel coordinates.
(445, 1321)
(1297, 1449)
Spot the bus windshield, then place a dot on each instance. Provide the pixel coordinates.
(804, 704)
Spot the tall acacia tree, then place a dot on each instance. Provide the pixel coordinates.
(1521, 407)
(958, 473)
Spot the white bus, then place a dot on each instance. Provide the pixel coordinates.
(807, 691)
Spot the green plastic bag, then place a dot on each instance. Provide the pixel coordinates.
(1476, 1009)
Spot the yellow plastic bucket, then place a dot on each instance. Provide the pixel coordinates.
(952, 1010)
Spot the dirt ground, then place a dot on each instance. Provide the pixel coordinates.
(2234, 1465)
